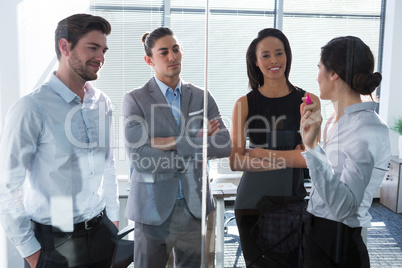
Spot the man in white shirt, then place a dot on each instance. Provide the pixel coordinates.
(58, 140)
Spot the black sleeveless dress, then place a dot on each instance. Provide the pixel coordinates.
(272, 123)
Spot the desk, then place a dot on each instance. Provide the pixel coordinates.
(220, 191)
(391, 187)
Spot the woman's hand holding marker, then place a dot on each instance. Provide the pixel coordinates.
(310, 125)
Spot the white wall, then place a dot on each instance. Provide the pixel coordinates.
(9, 92)
(26, 52)
(391, 92)
(9, 82)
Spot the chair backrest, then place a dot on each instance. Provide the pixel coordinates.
(125, 248)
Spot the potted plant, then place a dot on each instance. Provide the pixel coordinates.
(397, 127)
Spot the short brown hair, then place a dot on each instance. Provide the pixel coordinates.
(74, 27)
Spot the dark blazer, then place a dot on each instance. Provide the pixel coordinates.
(156, 173)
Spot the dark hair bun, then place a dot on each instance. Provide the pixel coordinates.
(144, 37)
(365, 84)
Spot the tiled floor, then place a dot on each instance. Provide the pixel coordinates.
(384, 240)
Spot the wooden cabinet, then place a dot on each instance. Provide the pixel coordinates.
(391, 188)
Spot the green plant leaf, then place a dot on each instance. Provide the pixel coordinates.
(397, 126)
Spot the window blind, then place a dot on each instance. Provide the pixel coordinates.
(308, 24)
(125, 68)
(311, 25)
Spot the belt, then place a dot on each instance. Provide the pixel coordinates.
(81, 226)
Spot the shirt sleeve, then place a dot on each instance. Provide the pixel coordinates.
(342, 193)
(21, 133)
(110, 185)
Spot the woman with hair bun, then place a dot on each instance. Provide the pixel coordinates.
(348, 166)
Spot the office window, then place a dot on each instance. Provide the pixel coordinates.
(125, 68)
(232, 25)
(310, 25)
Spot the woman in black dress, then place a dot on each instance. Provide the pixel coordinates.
(270, 196)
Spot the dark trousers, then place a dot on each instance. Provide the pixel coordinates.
(329, 244)
(84, 248)
(254, 257)
(181, 232)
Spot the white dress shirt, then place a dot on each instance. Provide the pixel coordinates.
(347, 171)
(64, 148)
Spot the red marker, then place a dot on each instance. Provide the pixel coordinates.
(308, 99)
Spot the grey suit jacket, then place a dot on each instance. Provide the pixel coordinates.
(156, 173)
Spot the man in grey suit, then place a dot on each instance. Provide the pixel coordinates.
(163, 131)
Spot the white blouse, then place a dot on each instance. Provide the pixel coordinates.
(347, 171)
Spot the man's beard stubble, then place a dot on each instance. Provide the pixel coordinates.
(81, 69)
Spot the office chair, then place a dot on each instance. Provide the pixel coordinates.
(228, 219)
(125, 249)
